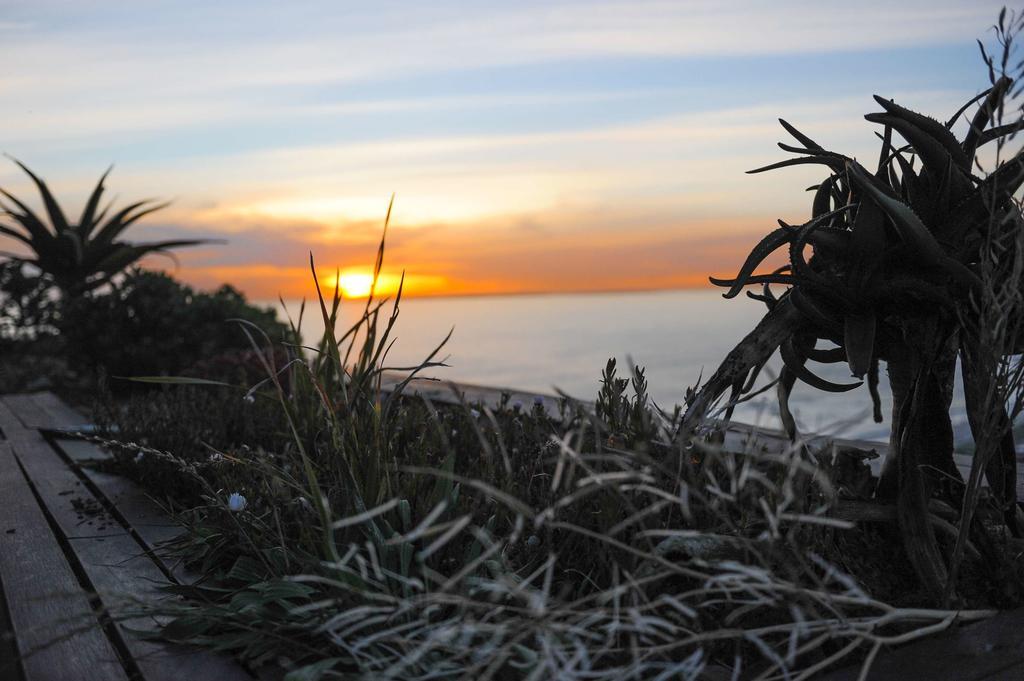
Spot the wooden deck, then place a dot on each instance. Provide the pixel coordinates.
(74, 542)
(992, 650)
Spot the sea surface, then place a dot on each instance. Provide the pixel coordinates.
(544, 343)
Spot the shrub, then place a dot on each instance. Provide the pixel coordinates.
(918, 268)
(27, 307)
(150, 324)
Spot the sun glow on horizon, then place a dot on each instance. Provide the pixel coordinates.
(358, 282)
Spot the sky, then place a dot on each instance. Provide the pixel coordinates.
(530, 146)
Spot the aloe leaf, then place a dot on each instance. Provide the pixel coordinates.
(823, 197)
(72, 247)
(88, 221)
(867, 239)
(57, 219)
(961, 273)
(14, 234)
(768, 245)
(930, 127)
(755, 279)
(1006, 179)
(833, 162)
(876, 399)
(787, 379)
(796, 246)
(884, 154)
(800, 137)
(913, 232)
(796, 364)
(859, 340)
(960, 112)
(116, 224)
(830, 239)
(812, 312)
(901, 287)
(984, 115)
(826, 355)
(124, 255)
(41, 236)
(934, 156)
(995, 133)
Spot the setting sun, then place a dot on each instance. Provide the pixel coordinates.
(355, 284)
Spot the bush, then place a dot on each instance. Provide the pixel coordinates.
(150, 324)
(27, 304)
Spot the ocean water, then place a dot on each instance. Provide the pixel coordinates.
(542, 343)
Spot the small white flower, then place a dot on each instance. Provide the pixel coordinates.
(454, 432)
(216, 457)
(303, 502)
(236, 502)
(139, 456)
(249, 399)
(474, 413)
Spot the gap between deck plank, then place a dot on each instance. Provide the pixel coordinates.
(54, 623)
(113, 560)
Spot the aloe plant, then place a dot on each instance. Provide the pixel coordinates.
(894, 275)
(79, 256)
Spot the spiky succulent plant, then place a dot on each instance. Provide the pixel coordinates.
(894, 275)
(79, 256)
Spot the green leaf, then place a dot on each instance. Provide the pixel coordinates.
(247, 570)
(284, 589)
(175, 380)
(312, 672)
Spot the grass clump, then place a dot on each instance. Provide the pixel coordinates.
(345, 531)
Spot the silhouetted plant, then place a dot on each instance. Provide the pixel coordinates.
(27, 310)
(150, 324)
(80, 256)
(901, 257)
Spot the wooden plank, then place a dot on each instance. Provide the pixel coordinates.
(27, 414)
(984, 650)
(114, 562)
(60, 415)
(82, 451)
(146, 520)
(10, 662)
(1014, 672)
(50, 611)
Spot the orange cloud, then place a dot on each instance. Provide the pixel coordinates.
(572, 254)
